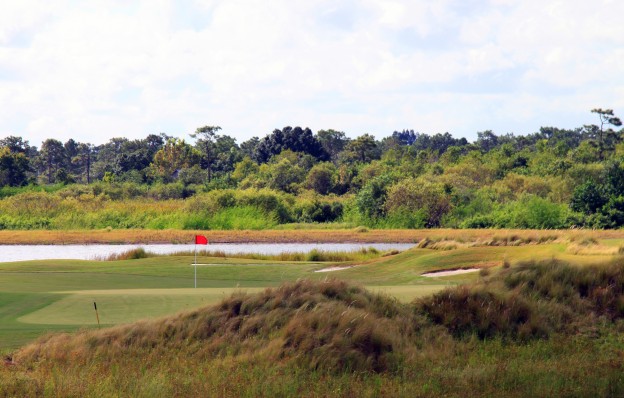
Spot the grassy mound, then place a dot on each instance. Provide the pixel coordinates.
(554, 329)
(320, 324)
(334, 325)
(531, 300)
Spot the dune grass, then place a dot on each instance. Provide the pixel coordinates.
(496, 337)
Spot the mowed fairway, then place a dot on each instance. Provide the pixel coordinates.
(53, 295)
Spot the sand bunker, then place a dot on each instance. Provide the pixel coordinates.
(450, 272)
(330, 269)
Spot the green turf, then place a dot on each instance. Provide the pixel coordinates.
(128, 305)
(41, 296)
(13, 305)
(125, 305)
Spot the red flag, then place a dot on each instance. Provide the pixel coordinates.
(201, 240)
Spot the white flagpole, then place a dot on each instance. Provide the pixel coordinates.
(195, 263)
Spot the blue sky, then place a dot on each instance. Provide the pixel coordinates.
(93, 70)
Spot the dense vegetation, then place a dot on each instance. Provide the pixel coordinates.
(554, 178)
(533, 329)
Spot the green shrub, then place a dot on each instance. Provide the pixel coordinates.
(404, 219)
(479, 221)
(196, 222)
(240, 218)
(168, 191)
(313, 255)
(166, 221)
(317, 211)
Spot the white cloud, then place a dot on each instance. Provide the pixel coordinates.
(97, 70)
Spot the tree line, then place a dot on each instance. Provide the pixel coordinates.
(552, 178)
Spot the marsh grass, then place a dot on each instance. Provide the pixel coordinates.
(514, 239)
(314, 255)
(132, 254)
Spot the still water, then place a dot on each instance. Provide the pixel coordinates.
(92, 252)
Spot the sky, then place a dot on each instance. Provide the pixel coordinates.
(93, 70)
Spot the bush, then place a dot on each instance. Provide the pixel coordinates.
(313, 255)
(534, 213)
(240, 218)
(404, 219)
(430, 200)
(168, 191)
(479, 221)
(371, 199)
(317, 211)
(270, 202)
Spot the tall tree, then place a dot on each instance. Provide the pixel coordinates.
(294, 139)
(16, 160)
(15, 144)
(487, 140)
(607, 117)
(605, 139)
(405, 137)
(107, 157)
(52, 158)
(174, 156)
(437, 142)
(14, 167)
(82, 160)
(362, 149)
(227, 152)
(249, 147)
(206, 137)
(333, 142)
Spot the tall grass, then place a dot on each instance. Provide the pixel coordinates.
(312, 256)
(132, 254)
(126, 206)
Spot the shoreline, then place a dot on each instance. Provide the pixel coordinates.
(359, 235)
(186, 237)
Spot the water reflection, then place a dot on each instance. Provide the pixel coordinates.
(90, 252)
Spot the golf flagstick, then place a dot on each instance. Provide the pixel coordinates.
(199, 240)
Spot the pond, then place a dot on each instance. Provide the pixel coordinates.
(94, 252)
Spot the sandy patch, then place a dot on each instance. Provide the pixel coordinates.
(449, 273)
(330, 269)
